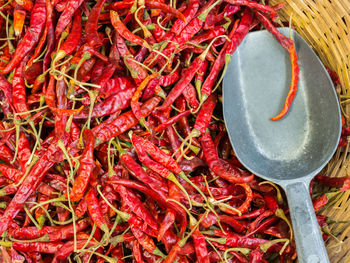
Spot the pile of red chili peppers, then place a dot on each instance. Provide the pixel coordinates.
(112, 143)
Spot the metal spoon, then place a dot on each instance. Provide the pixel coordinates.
(291, 151)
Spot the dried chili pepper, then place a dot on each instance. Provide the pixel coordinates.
(31, 36)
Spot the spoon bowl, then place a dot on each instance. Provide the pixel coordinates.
(291, 151)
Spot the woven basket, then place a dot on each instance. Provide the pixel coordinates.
(325, 24)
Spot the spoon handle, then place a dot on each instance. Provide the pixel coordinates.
(308, 238)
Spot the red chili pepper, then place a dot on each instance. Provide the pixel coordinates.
(157, 154)
(260, 7)
(19, 15)
(18, 91)
(200, 244)
(107, 130)
(236, 36)
(28, 186)
(31, 37)
(136, 252)
(38, 48)
(49, 233)
(189, 13)
(183, 82)
(67, 15)
(137, 72)
(50, 248)
(6, 88)
(331, 181)
(135, 204)
(81, 208)
(228, 11)
(139, 172)
(95, 212)
(110, 105)
(235, 240)
(40, 214)
(172, 120)
(85, 169)
(126, 4)
(73, 39)
(191, 96)
(320, 202)
(124, 31)
(10, 173)
(287, 44)
(271, 202)
(50, 100)
(26, 4)
(91, 25)
(219, 166)
(212, 219)
(170, 216)
(24, 152)
(135, 106)
(256, 256)
(68, 248)
(165, 8)
(145, 241)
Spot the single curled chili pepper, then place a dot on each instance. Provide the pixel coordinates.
(289, 45)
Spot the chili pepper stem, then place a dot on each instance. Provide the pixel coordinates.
(194, 134)
(124, 216)
(279, 213)
(116, 239)
(183, 176)
(227, 61)
(196, 223)
(44, 238)
(5, 243)
(172, 178)
(220, 240)
(264, 247)
(204, 15)
(159, 253)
